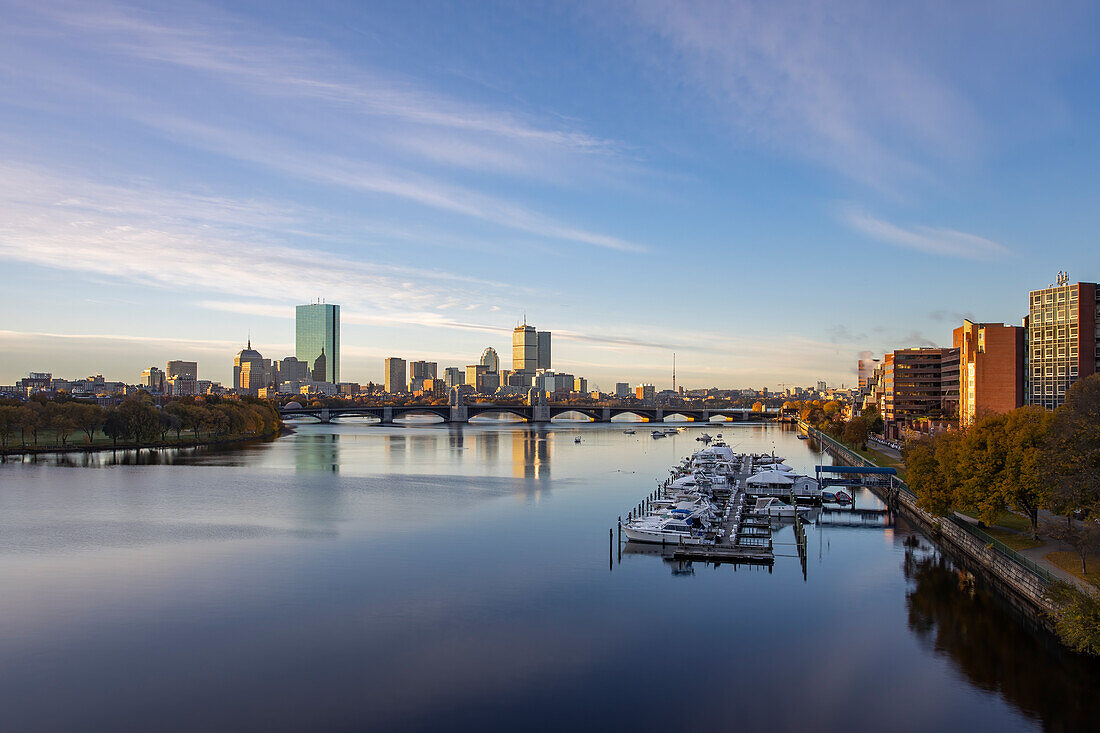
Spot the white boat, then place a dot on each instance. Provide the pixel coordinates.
(769, 506)
(704, 437)
(663, 531)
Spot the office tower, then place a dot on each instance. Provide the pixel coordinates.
(1063, 343)
(153, 378)
(525, 349)
(543, 340)
(183, 369)
(919, 383)
(317, 330)
(248, 370)
(580, 384)
(422, 369)
(475, 376)
(866, 370)
(490, 359)
(645, 392)
(453, 377)
(395, 375)
(821, 386)
(991, 369)
(622, 389)
(289, 369)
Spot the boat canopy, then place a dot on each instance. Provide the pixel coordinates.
(770, 478)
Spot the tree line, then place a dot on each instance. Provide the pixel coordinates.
(135, 421)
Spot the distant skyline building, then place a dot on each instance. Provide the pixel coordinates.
(622, 389)
(453, 377)
(1063, 342)
(395, 375)
(183, 369)
(317, 333)
(249, 373)
(490, 359)
(530, 350)
(153, 378)
(543, 341)
(423, 369)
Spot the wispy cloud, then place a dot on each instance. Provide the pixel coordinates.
(931, 240)
(823, 81)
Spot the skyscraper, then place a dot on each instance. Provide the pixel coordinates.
(1063, 344)
(525, 349)
(395, 375)
(543, 341)
(490, 359)
(317, 330)
(249, 373)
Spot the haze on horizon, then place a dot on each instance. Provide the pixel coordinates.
(766, 189)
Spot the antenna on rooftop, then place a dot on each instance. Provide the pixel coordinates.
(673, 371)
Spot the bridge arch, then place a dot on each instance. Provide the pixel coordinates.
(588, 413)
(519, 411)
(639, 415)
(441, 412)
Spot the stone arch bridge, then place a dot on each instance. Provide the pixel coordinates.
(387, 414)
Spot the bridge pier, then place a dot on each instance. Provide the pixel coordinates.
(459, 413)
(325, 416)
(540, 413)
(387, 416)
(605, 415)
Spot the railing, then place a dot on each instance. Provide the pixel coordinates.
(984, 537)
(1002, 549)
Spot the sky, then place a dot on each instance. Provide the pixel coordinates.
(766, 190)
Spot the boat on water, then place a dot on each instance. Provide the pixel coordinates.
(666, 530)
(770, 506)
(577, 439)
(628, 432)
(705, 438)
(802, 437)
(657, 434)
(828, 496)
(842, 497)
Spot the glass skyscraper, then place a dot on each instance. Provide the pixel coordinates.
(317, 331)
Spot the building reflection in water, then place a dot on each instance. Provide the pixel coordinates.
(531, 453)
(996, 651)
(317, 452)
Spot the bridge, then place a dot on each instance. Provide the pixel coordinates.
(388, 414)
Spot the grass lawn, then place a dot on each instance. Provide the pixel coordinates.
(1071, 563)
(884, 460)
(1015, 540)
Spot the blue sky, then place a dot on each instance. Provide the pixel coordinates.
(767, 189)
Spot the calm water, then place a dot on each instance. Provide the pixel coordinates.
(445, 578)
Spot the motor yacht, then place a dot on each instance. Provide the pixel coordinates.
(769, 506)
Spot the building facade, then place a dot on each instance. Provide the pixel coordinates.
(317, 332)
(423, 370)
(490, 359)
(453, 377)
(525, 349)
(395, 375)
(248, 370)
(1063, 340)
(919, 383)
(991, 369)
(153, 379)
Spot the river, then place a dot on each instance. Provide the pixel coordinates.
(436, 577)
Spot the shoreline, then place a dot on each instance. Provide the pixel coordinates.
(99, 448)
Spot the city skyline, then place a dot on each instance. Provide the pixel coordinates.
(653, 182)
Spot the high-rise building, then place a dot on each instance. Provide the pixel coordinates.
(646, 392)
(622, 389)
(525, 349)
(395, 375)
(580, 384)
(490, 359)
(317, 331)
(249, 373)
(290, 369)
(821, 386)
(919, 383)
(1063, 340)
(423, 369)
(991, 369)
(866, 369)
(543, 350)
(475, 376)
(453, 377)
(153, 379)
(182, 369)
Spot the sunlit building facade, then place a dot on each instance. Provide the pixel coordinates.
(991, 369)
(1063, 340)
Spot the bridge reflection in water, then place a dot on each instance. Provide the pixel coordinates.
(387, 414)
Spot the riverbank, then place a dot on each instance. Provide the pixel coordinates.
(101, 447)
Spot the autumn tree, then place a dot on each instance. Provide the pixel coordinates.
(1073, 449)
(87, 417)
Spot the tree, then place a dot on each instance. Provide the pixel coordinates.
(140, 419)
(9, 422)
(114, 425)
(87, 417)
(179, 411)
(757, 406)
(30, 419)
(167, 422)
(1083, 537)
(1076, 617)
(1073, 449)
(1024, 485)
(855, 432)
(58, 420)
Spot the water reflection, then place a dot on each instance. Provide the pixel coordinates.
(988, 644)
